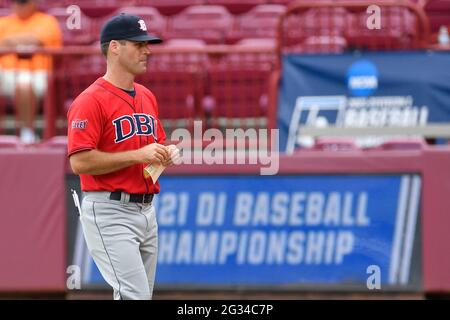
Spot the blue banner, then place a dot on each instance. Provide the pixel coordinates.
(285, 230)
(373, 89)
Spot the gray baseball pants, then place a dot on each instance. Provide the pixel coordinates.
(122, 238)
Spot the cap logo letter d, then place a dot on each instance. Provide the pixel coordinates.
(142, 25)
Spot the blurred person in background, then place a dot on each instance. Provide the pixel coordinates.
(24, 78)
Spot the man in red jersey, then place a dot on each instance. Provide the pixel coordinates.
(114, 132)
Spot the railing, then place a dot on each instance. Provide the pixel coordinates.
(236, 86)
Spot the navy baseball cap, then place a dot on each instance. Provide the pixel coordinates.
(126, 27)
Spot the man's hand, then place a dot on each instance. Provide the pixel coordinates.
(154, 170)
(174, 158)
(153, 153)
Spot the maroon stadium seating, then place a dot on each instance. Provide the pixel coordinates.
(238, 83)
(236, 6)
(209, 23)
(177, 79)
(185, 58)
(168, 7)
(190, 79)
(438, 12)
(398, 31)
(259, 22)
(315, 22)
(73, 74)
(84, 36)
(284, 2)
(402, 27)
(319, 44)
(254, 44)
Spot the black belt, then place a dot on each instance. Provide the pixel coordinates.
(134, 197)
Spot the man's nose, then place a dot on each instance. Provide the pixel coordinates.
(147, 49)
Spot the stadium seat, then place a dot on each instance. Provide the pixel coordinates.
(168, 7)
(260, 22)
(155, 21)
(258, 42)
(284, 2)
(10, 142)
(73, 74)
(398, 31)
(319, 44)
(333, 20)
(183, 54)
(267, 46)
(238, 84)
(85, 35)
(185, 42)
(177, 92)
(329, 22)
(236, 6)
(438, 12)
(238, 92)
(177, 79)
(209, 23)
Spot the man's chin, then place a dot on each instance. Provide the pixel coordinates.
(141, 71)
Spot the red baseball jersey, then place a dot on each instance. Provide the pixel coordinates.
(106, 118)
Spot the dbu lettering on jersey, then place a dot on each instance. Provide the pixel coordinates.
(140, 124)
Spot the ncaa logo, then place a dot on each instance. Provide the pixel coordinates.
(362, 78)
(140, 124)
(142, 25)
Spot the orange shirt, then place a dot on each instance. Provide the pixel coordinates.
(45, 27)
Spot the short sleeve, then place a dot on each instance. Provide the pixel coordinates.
(85, 123)
(49, 32)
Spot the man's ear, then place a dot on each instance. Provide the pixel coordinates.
(114, 46)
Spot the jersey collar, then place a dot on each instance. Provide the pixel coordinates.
(117, 91)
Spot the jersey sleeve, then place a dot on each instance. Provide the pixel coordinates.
(85, 123)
